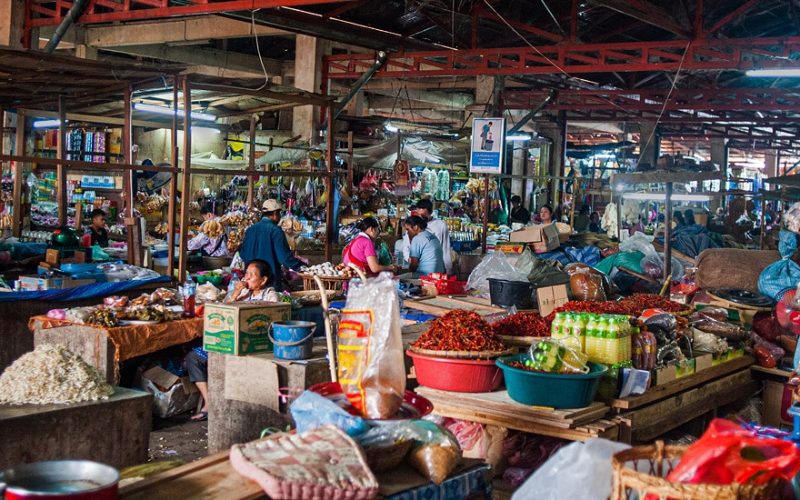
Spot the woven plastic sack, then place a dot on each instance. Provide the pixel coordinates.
(784, 274)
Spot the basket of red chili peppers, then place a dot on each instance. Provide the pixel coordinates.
(456, 354)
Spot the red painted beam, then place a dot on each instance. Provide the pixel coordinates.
(707, 54)
(149, 12)
(731, 16)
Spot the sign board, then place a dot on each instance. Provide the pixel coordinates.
(488, 146)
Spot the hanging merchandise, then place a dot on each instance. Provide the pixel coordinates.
(609, 221)
(401, 173)
(443, 185)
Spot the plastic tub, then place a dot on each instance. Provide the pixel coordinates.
(455, 374)
(557, 390)
(506, 293)
(292, 340)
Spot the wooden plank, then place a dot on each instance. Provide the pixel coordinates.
(499, 403)
(209, 478)
(581, 433)
(658, 393)
(442, 305)
(652, 421)
(775, 372)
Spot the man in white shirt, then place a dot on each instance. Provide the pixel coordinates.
(438, 228)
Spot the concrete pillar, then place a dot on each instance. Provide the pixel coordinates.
(771, 163)
(648, 143)
(518, 164)
(86, 52)
(12, 19)
(557, 133)
(718, 153)
(308, 76)
(356, 105)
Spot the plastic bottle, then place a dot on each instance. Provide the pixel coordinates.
(566, 325)
(555, 326)
(189, 292)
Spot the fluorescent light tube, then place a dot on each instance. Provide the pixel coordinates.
(46, 124)
(161, 110)
(663, 196)
(774, 73)
(518, 137)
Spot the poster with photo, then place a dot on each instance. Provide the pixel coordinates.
(488, 141)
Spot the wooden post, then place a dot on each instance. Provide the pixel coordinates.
(350, 166)
(668, 233)
(252, 163)
(329, 187)
(186, 180)
(129, 190)
(761, 224)
(173, 182)
(485, 212)
(61, 175)
(18, 171)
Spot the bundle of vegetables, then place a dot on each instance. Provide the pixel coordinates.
(523, 324)
(459, 331)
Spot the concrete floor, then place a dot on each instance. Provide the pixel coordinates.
(178, 438)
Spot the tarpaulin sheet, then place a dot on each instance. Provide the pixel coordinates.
(134, 340)
(90, 291)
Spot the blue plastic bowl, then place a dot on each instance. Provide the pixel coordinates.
(557, 390)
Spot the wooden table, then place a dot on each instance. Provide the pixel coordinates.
(15, 340)
(443, 304)
(663, 408)
(104, 348)
(114, 431)
(213, 478)
(497, 408)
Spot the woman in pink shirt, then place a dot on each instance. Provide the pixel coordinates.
(361, 250)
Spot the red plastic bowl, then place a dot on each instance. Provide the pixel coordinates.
(414, 406)
(457, 375)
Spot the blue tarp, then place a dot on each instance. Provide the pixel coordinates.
(95, 290)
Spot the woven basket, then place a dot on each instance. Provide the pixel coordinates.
(314, 297)
(462, 354)
(329, 282)
(659, 459)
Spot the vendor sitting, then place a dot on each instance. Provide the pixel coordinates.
(425, 255)
(208, 246)
(98, 228)
(253, 287)
(361, 251)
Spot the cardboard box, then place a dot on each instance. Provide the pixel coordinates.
(551, 297)
(52, 257)
(172, 395)
(35, 283)
(667, 374)
(541, 237)
(243, 328)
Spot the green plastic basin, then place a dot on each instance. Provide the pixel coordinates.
(557, 390)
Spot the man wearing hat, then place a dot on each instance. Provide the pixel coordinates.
(265, 240)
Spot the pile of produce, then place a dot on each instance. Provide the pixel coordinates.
(212, 228)
(326, 269)
(459, 331)
(523, 324)
(631, 306)
(102, 316)
(147, 313)
(51, 374)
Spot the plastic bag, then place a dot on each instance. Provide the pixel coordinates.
(767, 354)
(653, 266)
(525, 262)
(371, 365)
(435, 453)
(726, 453)
(471, 437)
(312, 410)
(384, 256)
(783, 275)
(639, 242)
(585, 282)
(578, 470)
(557, 356)
(493, 265)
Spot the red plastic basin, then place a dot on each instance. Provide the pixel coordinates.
(457, 375)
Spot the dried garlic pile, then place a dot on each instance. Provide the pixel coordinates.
(51, 374)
